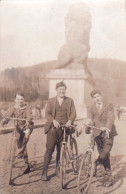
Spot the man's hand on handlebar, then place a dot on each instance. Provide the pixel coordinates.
(56, 124)
(27, 133)
(106, 130)
(68, 124)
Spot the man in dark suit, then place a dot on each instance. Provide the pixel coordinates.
(60, 109)
(101, 115)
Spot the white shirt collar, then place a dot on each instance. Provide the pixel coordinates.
(99, 105)
(60, 100)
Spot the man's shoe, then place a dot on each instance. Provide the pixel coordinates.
(108, 181)
(27, 170)
(20, 155)
(44, 175)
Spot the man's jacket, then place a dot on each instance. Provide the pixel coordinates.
(105, 118)
(51, 111)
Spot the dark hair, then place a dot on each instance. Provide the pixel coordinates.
(60, 84)
(95, 92)
(20, 94)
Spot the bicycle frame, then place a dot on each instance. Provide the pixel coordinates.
(64, 142)
(12, 154)
(65, 157)
(91, 141)
(88, 171)
(13, 148)
(64, 135)
(68, 141)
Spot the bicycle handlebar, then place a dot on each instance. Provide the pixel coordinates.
(91, 126)
(67, 127)
(63, 127)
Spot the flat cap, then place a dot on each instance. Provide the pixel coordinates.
(60, 84)
(96, 91)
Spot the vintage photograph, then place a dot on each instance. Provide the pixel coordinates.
(62, 96)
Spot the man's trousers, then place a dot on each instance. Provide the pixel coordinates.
(54, 139)
(104, 146)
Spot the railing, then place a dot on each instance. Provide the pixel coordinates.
(6, 129)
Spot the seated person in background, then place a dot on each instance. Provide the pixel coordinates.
(60, 109)
(101, 115)
(23, 128)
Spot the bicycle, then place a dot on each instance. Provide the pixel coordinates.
(87, 165)
(69, 154)
(13, 148)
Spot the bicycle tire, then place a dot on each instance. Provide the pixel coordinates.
(86, 172)
(63, 166)
(74, 155)
(13, 150)
(73, 147)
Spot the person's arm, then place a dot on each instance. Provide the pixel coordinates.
(48, 112)
(29, 118)
(110, 120)
(29, 122)
(29, 114)
(91, 121)
(72, 112)
(110, 117)
(48, 115)
(10, 113)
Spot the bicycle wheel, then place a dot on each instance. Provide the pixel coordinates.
(13, 150)
(63, 164)
(74, 154)
(73, 147)
(86, 172)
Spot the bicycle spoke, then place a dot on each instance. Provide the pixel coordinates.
(86, 172)
(63, 163)
(73, 150)
(12, 158)
(68, 156)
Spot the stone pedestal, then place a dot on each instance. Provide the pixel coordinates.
(74, 77)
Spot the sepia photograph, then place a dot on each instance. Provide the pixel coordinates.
(62, 96)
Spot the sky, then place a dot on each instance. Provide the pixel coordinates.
(32, 31)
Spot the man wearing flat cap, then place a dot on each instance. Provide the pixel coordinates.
(101, 115)
(60, 109)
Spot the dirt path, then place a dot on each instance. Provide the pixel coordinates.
(31, 183)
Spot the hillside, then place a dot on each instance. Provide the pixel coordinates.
(109, 75)
(31, 80)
